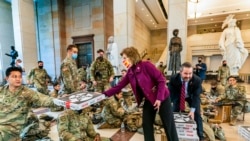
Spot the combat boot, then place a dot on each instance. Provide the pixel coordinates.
(233, 121)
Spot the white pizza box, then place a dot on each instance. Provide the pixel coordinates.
(182, 120)
(79, 100)
(244, 131)
(184, 138)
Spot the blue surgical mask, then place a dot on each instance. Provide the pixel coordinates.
(74, 56)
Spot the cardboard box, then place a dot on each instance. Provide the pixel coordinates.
(244, 131)
(79, 100)
(196, 138)
(185, 127)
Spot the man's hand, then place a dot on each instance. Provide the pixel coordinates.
(94, 83)
(217, 100)
(157, 105)
(191, 114)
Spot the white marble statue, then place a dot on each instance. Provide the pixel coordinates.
(112, 54)
(232, 46)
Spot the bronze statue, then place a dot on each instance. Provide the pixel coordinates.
(13, 54)
(175, 47)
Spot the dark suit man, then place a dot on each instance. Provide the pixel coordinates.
(201, 69)
(192, 91)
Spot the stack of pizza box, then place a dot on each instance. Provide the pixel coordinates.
(186, 127)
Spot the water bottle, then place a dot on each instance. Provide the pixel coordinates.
(122, 127)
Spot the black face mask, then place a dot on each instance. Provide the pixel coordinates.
(100, 58)
(224, 65)
(199, 61)
(40, 67)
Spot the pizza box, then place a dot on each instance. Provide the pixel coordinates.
(79, 100)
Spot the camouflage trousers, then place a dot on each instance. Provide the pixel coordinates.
(223, 81)
(114, 122)
(133, 122)
(102, 86)
(8, 134)
(236, 110)
(42, 89)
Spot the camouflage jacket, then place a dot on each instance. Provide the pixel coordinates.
(69, 75)
(113, 109)
(14, 109)
(101, 70)
(82, 74)
(73, 126)
(220, 91)
(38, 76)
(223, 72)
(54, 94)
(234, 93)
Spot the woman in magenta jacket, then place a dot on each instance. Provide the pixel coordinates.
(147, 82)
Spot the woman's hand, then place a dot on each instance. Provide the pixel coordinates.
(157, 105)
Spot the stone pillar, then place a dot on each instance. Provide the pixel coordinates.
(6, 36)
(207, 60)
(25, 32)
(177, 19)
(124, 23)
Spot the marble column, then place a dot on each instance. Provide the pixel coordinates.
(207, 60)
(177, 19)
(124, 23)
(25, 32)
(6, 36)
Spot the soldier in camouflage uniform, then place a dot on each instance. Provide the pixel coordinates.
(15, 104)
(112, 113)
(102, 73)
(40, 78)
(54, 94)
(234, 94)
(223, 73)
(82, 73)
(68, 72)
(216, 90)
(77, 126)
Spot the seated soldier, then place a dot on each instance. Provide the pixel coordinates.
(216, 89)
(54, 93)
(133, 118)
(112, 113)
(77, 126)
(234, 94)
(56, 88)
(83, 85)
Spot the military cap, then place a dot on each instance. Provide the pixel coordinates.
(126, 92)
(100, 50)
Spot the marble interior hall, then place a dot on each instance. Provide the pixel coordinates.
(42, 29)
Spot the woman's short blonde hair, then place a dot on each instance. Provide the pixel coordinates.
(132, 53)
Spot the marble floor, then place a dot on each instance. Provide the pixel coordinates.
(231, 132)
